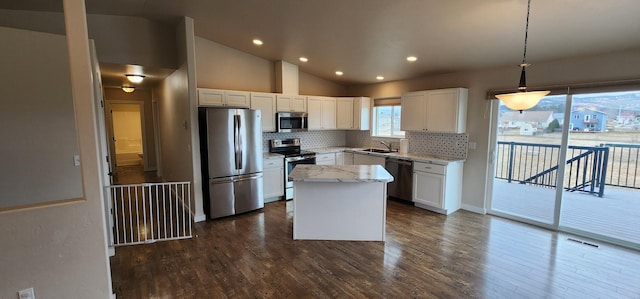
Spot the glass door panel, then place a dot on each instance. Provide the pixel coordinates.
(601, 197)
(526, 161)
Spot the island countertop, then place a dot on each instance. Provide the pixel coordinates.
(340, 173)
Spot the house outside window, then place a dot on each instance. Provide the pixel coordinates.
(386, 118)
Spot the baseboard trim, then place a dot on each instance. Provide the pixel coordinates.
(199, 218)
(474, 209)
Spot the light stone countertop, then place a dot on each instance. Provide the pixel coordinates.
(272, 156)
(331, 149)
(340, 173)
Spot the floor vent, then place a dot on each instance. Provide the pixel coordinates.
(583, 242)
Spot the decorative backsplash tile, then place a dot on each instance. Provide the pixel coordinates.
(311, 139)
(438, 144)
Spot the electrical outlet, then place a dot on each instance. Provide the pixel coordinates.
(76, 160)
(27, 294)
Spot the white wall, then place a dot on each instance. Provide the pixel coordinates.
(605, 67)
(61, 250)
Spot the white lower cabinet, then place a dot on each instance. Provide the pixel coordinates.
(437, 187)
(326, 159)
(366, 159)
(273, 179)
(344, 158)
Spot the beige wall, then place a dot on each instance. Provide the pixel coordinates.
(606, 67)
(312, 85)
(221, 67)
(118, 39)
(38, 130)
(178, 120)
(145, 96)
(61, 250)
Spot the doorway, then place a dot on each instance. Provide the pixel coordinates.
(127, 134)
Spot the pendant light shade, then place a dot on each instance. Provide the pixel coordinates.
(128, 89)
(523, 99)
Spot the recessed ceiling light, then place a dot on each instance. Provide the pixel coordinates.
(134, 78)
(339, 73)
(412, 58)
(380, 78)
(257, 42)
(304, 59)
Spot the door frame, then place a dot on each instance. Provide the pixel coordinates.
(110, 134)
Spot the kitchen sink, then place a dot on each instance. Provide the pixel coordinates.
(376, 150)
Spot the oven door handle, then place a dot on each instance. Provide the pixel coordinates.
(294, 159)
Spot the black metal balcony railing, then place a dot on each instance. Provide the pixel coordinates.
(587, 169)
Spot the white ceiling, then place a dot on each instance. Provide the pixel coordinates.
(366, 38)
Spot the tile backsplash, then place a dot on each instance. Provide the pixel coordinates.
(438, 144)
(311, 139)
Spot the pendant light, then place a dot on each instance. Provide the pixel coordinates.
(523, 99)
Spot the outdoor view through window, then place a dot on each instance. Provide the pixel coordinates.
(601, 181)
(386, 121)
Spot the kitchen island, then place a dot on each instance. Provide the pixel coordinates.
(339, 202)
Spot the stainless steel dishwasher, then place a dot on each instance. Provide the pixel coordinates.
(402, 172)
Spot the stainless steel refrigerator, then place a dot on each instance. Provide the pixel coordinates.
(231, 154)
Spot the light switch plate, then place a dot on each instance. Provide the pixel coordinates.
(27, 294)
(472, 145)
(76, 160)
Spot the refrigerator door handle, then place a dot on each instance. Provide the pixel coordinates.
(237, 142)
(245, 178)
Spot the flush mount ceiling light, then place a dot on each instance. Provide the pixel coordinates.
(339, 73)
(412, 58)
(379, 78)
(128, 89)
(134, 78)
(523, 99)
(304, 59)
(257, 42)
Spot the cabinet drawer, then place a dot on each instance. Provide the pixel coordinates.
(273, 163)
(430, 168)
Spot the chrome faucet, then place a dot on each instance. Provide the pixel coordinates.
(388, 145)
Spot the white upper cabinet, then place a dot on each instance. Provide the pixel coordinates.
(287, 103)
(441, 110)
(265, 102)
(224, 98)
(353, 113)
(344, 113)
(321, 113)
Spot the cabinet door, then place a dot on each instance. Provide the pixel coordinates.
(340, 158)
(329, 114)
(442, 111)
(314, 117)
(298, 104)
(326, 159)
(210, 97)
(273, 184)
(283, 103)
(361, 113)
(428, 189)
(364, 159)
(347, 158)
(344, 113)
(413, 111)
(237, 99)
(265, 102)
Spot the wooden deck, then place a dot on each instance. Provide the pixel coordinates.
(615, 215)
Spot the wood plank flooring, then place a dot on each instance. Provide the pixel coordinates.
(426, 255)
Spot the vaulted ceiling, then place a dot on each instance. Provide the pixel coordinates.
(369, 38)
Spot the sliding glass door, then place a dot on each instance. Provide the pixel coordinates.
(572, 163)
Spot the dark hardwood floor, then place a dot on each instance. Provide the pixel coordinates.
(426, 255)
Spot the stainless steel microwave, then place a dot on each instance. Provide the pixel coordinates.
(291, 121)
